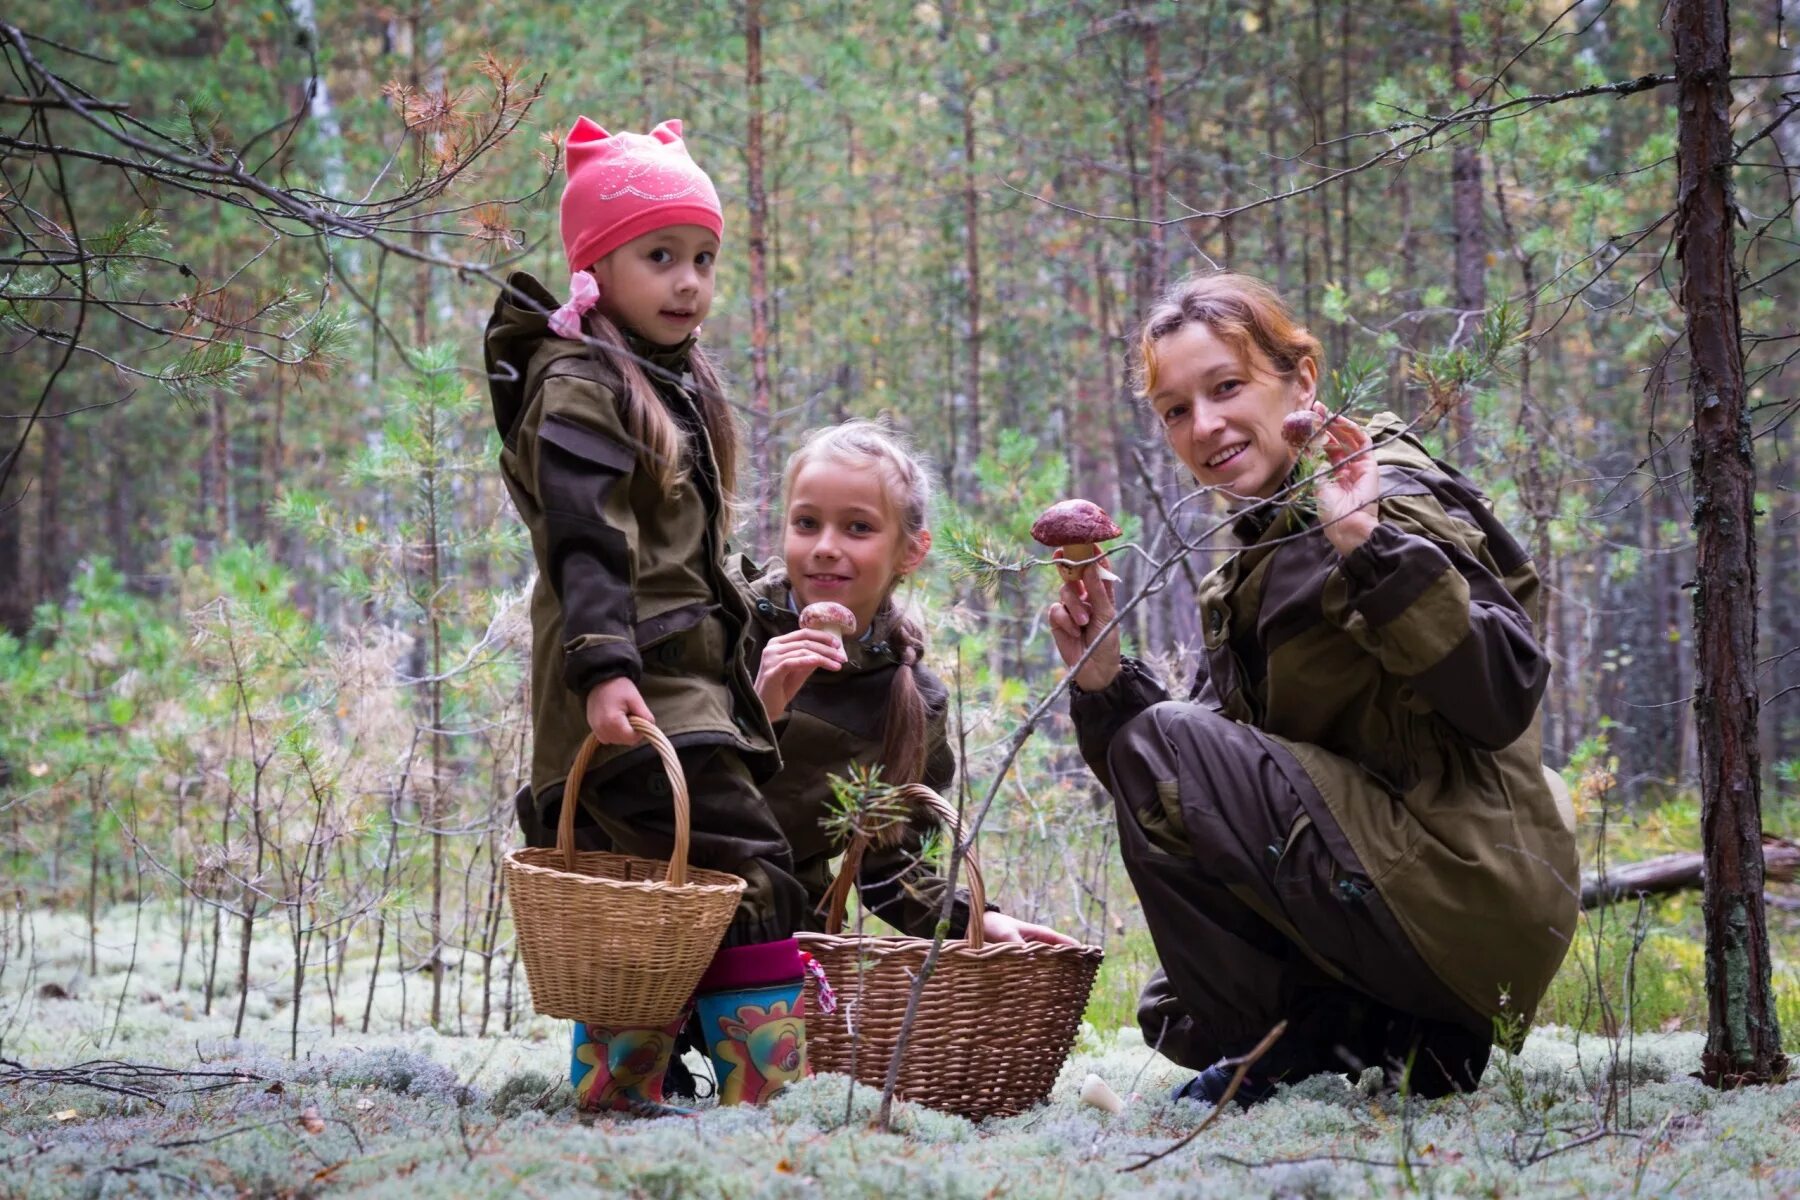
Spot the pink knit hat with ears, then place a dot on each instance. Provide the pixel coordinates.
(624, 185)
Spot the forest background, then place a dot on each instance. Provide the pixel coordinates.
(262, 587)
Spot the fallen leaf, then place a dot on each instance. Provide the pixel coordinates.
(365, 1104)
(67, 1114)
(785, 1167)
(310, 1120)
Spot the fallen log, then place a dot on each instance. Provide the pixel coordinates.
(1681, 872)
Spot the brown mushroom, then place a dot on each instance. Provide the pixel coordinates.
(1298, 427)
(830, 616)
(1076, 527)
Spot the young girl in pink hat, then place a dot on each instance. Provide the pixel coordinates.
(621, 456)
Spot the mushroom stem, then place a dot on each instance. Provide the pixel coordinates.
(1077, 555)
(1095, 1092)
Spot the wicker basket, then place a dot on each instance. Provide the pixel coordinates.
(995, 1022)
(609, 938)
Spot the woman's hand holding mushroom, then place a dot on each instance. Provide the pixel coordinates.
(1084, 608)
(1349, 492)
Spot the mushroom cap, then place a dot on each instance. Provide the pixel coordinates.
(1297, 428)
(827, 614)
(1073, 523)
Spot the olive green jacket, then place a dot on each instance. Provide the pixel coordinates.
(1405, 677)
(631, 577)
(836, 719)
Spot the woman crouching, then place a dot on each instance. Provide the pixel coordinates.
(1347, 825)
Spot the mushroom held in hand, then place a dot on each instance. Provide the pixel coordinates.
(1298, 427)
(830, 616)
(1076, 527)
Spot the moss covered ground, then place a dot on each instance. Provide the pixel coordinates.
(414, 1112)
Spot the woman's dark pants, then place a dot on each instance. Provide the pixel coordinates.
(1261, 912)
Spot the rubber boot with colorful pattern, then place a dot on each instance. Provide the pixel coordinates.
(620, 1069)
(752, 1010)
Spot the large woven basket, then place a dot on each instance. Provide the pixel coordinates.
(612, 939)
(995, 1022)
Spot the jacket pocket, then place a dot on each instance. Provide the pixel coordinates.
(1305, 863)
(579, 466)
(689, 640)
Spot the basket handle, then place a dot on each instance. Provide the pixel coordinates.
(837, 899)
(678, 789)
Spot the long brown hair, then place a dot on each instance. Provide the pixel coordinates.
(906, 485)
(1242, 312)
(660, 443)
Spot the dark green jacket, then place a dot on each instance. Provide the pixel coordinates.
(631, 578)
(836, 719)
(1406, 679)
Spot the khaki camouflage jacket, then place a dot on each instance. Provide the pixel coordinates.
(837, 719)
(631, 577)
(1405, 678)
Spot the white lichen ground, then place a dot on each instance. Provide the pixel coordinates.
(419, 1113)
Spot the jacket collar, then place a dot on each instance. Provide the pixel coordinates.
(1251, 523)
(675, 360)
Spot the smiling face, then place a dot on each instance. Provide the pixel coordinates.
(660, 286)
(843, 540)
(1222, 412)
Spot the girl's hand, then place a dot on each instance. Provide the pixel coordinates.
(789, 661)
(610, 706)
(998, 927)
(1083, 608)
(1349, 492)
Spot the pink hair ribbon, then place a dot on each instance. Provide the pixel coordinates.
(584, 293)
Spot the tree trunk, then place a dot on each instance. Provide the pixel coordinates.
(1471, 241)
(761, 390)
(971, 415)
(51, 535)
(1783, 589)
(1322, 197)
(1743, 1041)
(1277, 243)
(15, 597)
(435, 698)
(1345, 49)
(1159, 169)
(221, 471)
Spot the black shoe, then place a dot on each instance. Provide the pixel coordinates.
(678, 1081)
(1445, 1058)
(1208, 1087)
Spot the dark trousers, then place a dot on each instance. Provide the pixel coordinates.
(1261, 912)
(731, 829)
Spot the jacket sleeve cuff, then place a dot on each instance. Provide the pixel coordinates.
(1135, 687)
(1101, 714)
(594, 658)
